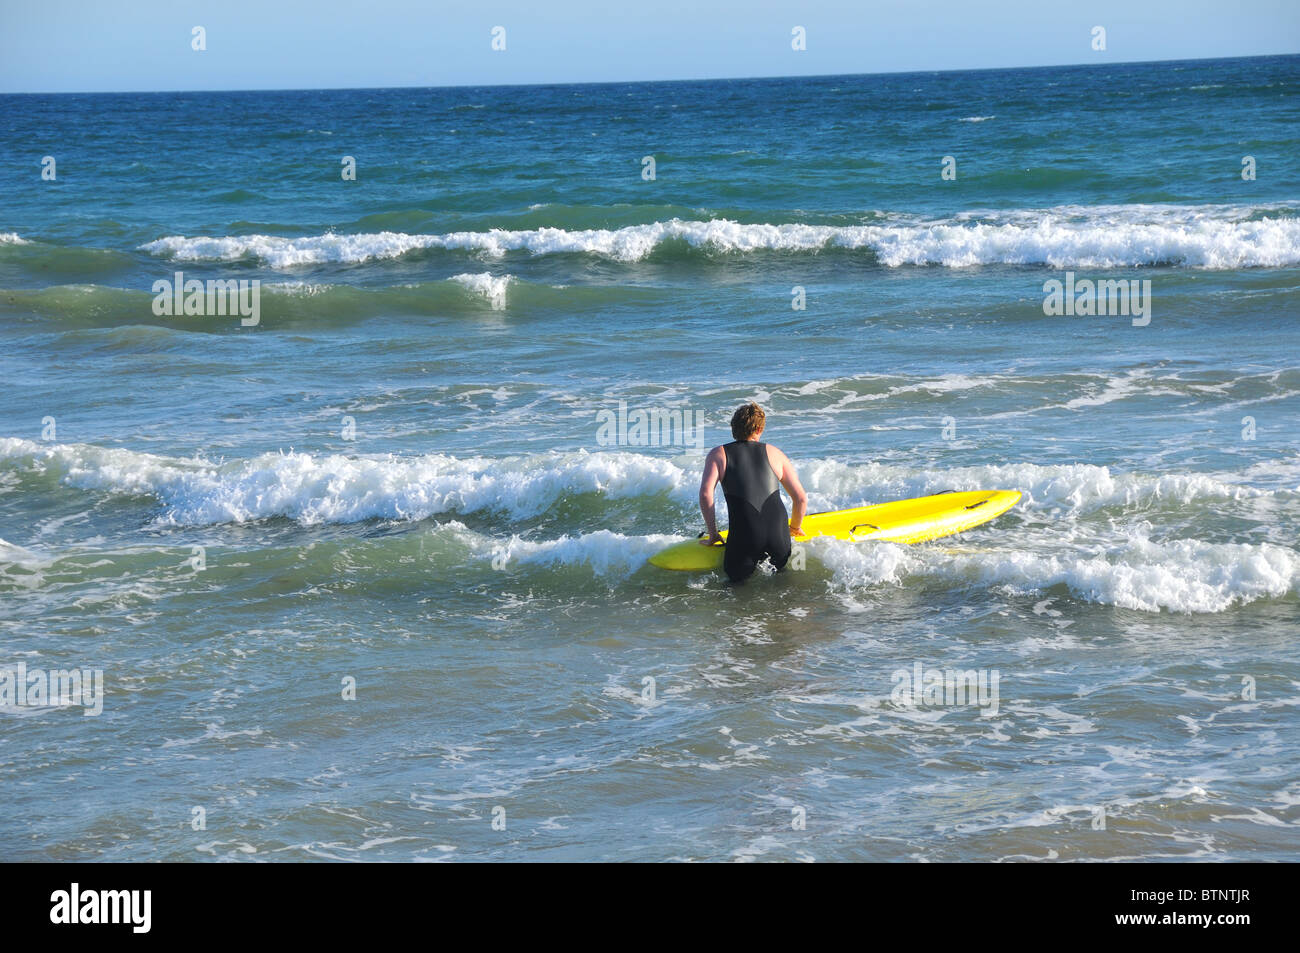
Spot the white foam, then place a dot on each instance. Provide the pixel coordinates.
(9, 553)
(604, 552)
(1179, 575)
(1102, 562)
(488, 286)
(336, 488)
(12, 238)
(1058, 490)
(1215, 237)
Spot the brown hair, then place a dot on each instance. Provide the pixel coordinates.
(747, 421)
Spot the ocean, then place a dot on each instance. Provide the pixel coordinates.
(361, 568)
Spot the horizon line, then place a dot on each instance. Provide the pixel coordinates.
(646, 82)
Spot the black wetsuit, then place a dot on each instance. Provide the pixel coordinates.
(758, 523)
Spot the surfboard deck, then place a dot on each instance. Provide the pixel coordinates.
(902, 521)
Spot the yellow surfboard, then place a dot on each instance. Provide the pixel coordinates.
(903, 521)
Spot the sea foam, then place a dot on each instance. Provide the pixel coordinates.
(1108, 563)
(316, 488)
(1195, 236)
(1178, 575)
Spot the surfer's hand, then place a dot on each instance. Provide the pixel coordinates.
(796, 531)
(711, 541)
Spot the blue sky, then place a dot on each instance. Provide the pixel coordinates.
(93, 45)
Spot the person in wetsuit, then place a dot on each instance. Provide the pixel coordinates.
(751, 474)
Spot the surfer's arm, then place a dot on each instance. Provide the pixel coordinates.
(713, 465)
(790, 480)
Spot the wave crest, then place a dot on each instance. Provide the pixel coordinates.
(1104, 237)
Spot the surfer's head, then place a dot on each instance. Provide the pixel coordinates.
(748, 421)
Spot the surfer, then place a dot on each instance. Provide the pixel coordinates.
(752, 474)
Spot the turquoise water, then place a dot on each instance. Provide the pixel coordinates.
(398, 474)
